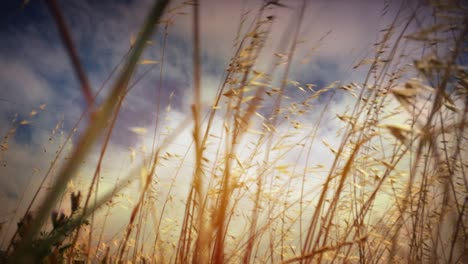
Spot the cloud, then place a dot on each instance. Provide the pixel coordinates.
(31, 88)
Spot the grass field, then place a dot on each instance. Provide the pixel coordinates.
(370, 169)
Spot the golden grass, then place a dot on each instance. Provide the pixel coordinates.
(396, 190)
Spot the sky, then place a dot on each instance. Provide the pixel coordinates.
(38, 86)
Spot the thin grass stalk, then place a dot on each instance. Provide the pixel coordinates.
(201, 245)
(71, 50)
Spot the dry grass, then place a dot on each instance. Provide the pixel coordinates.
(395, 192)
